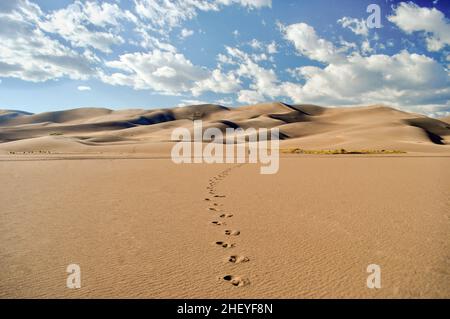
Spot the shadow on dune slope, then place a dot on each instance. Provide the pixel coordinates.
(302, 124)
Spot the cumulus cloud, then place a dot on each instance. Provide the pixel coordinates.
(217, 82)
(29, 54)
(151, 42)
(161, 71)
(186, 102)
(169, 14)
(410, 18)
(250, 96)
(264, 81)
(248, 3)
(185, 33)
(272, 48)
(255, 44)
(224, 101)
(358, 27)
(405, 79)
(168, 73)
(83, 88)
(79, 23)
(307, 43)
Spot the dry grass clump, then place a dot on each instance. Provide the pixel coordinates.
(297, 150)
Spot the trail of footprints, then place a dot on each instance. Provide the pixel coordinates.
(221, 221)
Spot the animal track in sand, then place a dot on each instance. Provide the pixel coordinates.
(224, 244)
(235, 259)
(232, 232)
(216, 206)
(236, 280)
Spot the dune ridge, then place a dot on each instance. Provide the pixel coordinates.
(93, 130)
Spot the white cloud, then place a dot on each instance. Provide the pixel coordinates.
(217, 82)
(259, 57)
(150, 42)
(250, 97)
(83, 88)
(406, 80)
(185, 33)
(73, 24)
(358, 27)
(161, 71)
(168, 14)
(403, 79)
(167, 73)
(264, 82)
(307, 43)
(29, 54)
(106, 14)
(255, 44)
(252, 4)
(187, 102)
(272, 48)
(411, 18)
(224, 101)
(365, 47)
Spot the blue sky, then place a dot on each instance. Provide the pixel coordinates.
(158, 53)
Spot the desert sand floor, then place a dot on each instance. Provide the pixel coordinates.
(144, 228)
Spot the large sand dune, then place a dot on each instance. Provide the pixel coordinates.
(98, 130)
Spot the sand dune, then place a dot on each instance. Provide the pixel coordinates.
(301, 126)
(445, 119)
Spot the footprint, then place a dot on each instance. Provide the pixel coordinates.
(207, 199)
(217, 223)
(236, 280)
(212, 208)
(226, 216)
(224, 244)
(221, 196)
(232, 232)
(238, 259)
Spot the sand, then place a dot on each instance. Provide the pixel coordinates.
(142, 228)
(110, 199)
